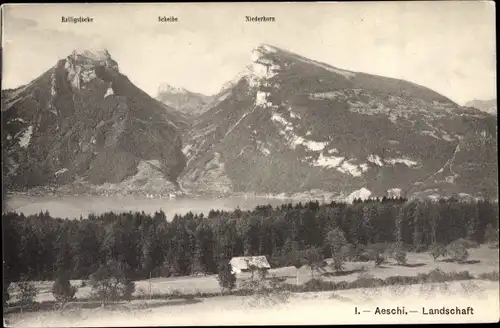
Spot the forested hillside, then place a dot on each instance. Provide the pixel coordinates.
(40, 246)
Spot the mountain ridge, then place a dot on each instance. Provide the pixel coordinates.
(284, 124)
(292, 91)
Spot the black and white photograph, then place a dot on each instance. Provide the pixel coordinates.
(201, 164)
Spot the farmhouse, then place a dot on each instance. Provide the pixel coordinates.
(244, 263)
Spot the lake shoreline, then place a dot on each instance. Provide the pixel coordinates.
(76, 206)
(81, 200)
(322, 196)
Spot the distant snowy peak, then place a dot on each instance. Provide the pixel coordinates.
(362, 194)
(182, 100)
(488, 106)
(163, 88)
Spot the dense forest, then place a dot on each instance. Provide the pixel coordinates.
(39, 246)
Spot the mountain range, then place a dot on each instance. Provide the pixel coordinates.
(284, 125)
(488, 106)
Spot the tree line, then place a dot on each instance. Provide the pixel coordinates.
(39, 247)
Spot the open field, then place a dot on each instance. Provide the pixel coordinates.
(299, 308)
(481, 260)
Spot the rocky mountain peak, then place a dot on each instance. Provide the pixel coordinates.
(83, 119)
(167, 88)
(84, 65)
(96, 54)
(262, 67)
(182, 100)
(265, 49)
(92, 56)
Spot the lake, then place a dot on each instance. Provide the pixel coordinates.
(73, 206)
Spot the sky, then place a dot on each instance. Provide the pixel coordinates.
(447, 46)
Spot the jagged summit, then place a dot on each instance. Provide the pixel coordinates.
(267, 61)
(164, 87)
(93, 53)
(259, 67)
(182, 100)
(264, 47)
(91, 57)
(83, 66)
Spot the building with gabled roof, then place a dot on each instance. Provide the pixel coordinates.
(244, 263)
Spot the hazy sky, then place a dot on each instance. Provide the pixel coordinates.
(446, 46)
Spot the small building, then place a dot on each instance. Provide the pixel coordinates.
(244, 263)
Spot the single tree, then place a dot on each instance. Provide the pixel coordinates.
(128, 289)
(399, 254)
(226, 278)
(472, 229)
(62, 289)
(349, 251)
(458, 250)
(437, 251)
(295, 258)
(27, 292)
(491, 234)
(109, 282)
(418, 223)
(314, 258)
(205, 245)
(262, 273)
(377, 253)
(335, 239)
(252, 268)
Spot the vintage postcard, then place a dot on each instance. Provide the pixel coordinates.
(177, 164)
